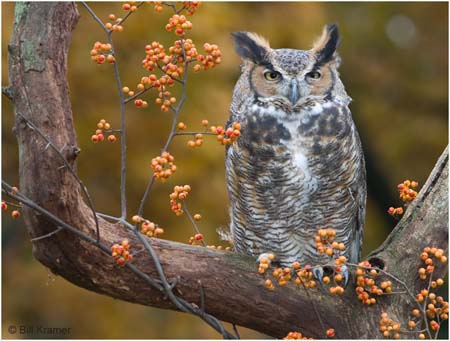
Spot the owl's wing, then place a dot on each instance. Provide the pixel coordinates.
(360, 194)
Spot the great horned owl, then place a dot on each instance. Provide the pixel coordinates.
(298, 165)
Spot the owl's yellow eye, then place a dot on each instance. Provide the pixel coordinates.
(314, 75)
(272, 75)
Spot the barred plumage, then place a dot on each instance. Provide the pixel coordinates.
(298, 165)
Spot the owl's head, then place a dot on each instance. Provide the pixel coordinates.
(291, 76)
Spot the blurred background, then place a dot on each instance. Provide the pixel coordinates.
(395, 67)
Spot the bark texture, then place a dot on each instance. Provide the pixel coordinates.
(233, 290)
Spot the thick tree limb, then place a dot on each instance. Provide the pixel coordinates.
(228, 282)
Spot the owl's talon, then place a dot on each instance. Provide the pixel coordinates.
(318, 274)
(345, 274)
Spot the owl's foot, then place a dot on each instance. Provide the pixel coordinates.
(328, 271)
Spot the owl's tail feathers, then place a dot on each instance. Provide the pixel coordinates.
(224, 234)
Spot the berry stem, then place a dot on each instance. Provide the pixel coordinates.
(194, 224)
(123, 132)
(192, 133)
(173, 132)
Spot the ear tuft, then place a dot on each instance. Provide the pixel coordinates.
(252, 46)
(325, 47)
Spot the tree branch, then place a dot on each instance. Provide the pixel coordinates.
(223, 284)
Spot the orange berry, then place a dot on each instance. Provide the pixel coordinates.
(112, 138)
(4, 206)
(330, 332)
(181, 126)
(197, 216)
(15, 214)
(136, 219)
(94, 138)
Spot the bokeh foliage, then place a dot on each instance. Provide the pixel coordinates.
(394, 67)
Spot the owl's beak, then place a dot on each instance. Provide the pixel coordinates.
(293, 94)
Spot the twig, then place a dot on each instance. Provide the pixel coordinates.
(9, 203)
(179, 133)
(127, 100)
(7, 91)
(95, 17)
(59, 228)
(172, 130)
(194, 224)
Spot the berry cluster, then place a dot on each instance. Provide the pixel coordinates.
(179, 194)
(163, 166)
(121, 253)
(304, 276)
(325, 242)
(282, 275)
(198, 141)
(229, 135)
(147, 227)
(264, 262)
(196, 239)
(102, 53)
(158, 6)
(388, 327)
(173, 61)
(395, 212)
(116, 27)
(415, 313)
(295, 336)
(406, 191)
(367, 284)
(103, 127)
(210, 59)
(14, 213)
(436, 307)
(179, 24)
(130, 6)
(407, 194)
(191, 6)
(427, 256)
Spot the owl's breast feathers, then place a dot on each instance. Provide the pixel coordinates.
(292, 173)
